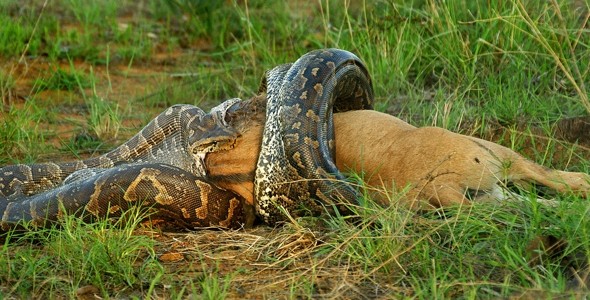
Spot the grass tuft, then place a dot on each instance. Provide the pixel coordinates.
(104, 119)
(63, 80)
(110, 256)
(19, 133)
(7, 84)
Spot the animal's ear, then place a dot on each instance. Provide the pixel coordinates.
(219, 113)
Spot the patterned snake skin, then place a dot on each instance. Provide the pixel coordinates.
(162, 167)
(296, 172)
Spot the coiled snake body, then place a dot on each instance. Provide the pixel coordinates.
(296, 169)
(161, 168)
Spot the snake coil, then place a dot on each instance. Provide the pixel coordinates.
(296, 170)
(162, 167)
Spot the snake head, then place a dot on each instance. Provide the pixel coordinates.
(211, 133)
(209, 137)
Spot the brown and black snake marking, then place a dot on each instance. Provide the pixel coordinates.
(167, 155)
(163, 166)
(169, 194)
(296, 169)
(179, 136)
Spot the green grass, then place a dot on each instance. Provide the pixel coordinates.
(60, 79)
(56, 262)
(6, 88)
(20, 134)
(501, 69)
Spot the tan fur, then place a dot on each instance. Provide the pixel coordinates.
(435, 165)
(234, 169)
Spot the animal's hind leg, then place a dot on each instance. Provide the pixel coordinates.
(447, 196)
(518, 170)
(438, 194)
(560, 181)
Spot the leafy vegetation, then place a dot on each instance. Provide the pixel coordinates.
(504, 70)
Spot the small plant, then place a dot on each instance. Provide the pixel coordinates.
(73, 44)
(6, 88)
(105, 118)
(19, 132)
(63, 80)
(15, 35)
(136, 42)
(213, 288)
(94, 15)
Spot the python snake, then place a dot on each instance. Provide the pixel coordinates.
(296, 172)
(162, 167)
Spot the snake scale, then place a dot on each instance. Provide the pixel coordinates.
(162, 167)
(296, 169)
